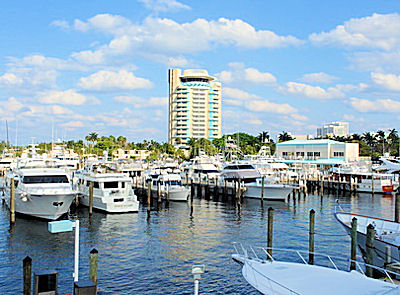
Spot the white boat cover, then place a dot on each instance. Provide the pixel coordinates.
(278, 277)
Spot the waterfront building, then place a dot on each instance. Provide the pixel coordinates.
(301, 136)
(334, 129)
(317, 151)
(194, 106)
(121, 154)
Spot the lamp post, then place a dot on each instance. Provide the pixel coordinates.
(197, 270)
(66, 226)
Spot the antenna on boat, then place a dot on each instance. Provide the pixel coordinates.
(16, 133)
(8, 143)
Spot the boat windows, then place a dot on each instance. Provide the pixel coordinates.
(249, 180)
(45, 179)
(173, 182)
(96, 184)
(111, 184)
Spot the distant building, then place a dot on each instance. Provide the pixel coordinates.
(194, 106)
(318, 151)
(334, 129)
(120, 154)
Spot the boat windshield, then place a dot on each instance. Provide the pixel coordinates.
(45, 179)
(173, 182)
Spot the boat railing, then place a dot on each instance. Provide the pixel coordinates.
(336, 262)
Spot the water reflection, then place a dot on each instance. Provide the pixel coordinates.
(138, 255)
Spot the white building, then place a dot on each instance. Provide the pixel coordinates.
(194, 106)
(334, 129)
(319, 151)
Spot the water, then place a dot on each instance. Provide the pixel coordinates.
(155, 256)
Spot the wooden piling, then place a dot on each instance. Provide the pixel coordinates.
(148, 196)
(311, 237)
(12, 201)
(270, 229)
(353, 254)
(93, 257)
(27, 265)
(91, 198)
(388, 255)
(158, 193)
(262, 190)
(397, 207)
(369, 259)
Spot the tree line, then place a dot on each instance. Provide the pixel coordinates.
(372, 144)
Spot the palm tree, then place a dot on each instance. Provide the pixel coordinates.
(92, 137)
(263, 136)
(356, 137)
(393, 138)
(284, 136)
(369, 139)
(382, 138)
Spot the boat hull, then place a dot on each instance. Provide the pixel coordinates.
(109, 206)
(47, 206)
(180, 194)
(379, 244)
(271, 191)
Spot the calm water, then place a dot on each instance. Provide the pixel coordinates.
(140, 256)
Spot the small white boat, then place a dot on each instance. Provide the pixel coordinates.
(387, 233)
(112, 192)
(169, 186)
(252, 181)
(272, 276)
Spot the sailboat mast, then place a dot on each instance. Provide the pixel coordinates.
(8, 143)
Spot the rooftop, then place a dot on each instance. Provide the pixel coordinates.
(310, 142)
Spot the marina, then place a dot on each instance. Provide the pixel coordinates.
(154, 255)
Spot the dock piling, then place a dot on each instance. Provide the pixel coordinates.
(148, 197)
(311, 237)
(270, 230)
(27, 265)
(262, 190)
(369, 259)
(12, 201)
(353, 254)
(91, 198)
(397, 207)
(93, 257)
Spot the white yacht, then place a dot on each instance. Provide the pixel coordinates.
(270, 275)
(203, 169)
(112, 192)
(169, 186)
(40, 192)
(252, 180)
(387, 234)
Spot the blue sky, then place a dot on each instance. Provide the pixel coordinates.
(101, 66)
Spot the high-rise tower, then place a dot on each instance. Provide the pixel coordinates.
(194, 106)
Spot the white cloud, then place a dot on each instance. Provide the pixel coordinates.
(28, 80)
(379, 105)
(68, 97)
(387, 81)
(169, 38)
(318, 78)
(305, 90)
(254, 122)
(73, 124)
(352, 118)
(10, 79)
(108, 81)
(255, 76)
(238, 94)
(239, 73)
(60, 23)
(381, 31)
(376, 61)
(139, 102)
(11, 105)
(270, 107)
(299, 117)
(164, 5)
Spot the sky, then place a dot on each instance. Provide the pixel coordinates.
(69, 68)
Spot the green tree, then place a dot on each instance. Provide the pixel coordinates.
(284, 136)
